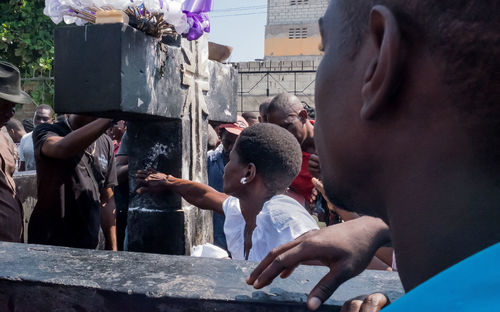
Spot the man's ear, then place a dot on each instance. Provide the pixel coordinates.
(382, 74)
(303, 115)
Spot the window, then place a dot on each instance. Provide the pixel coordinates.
(298, 2)
(297, 33)
(303, 34)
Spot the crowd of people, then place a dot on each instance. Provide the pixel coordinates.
(400, 165)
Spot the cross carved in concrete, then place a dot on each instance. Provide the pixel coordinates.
(195, 76)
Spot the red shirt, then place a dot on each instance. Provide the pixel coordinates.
(302, 183)
(116, 145)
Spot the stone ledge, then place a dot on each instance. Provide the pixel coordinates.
(27, 192)
(43, 278)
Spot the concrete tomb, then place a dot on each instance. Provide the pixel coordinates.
(168, 91)
(48, 278)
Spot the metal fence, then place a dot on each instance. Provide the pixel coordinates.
(260, 80)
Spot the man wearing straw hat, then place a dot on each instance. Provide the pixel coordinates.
(11, 213)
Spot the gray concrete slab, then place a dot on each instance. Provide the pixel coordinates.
(113, 70)
(47, 278)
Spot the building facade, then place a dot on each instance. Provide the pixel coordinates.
(292, 31)
(292, 55)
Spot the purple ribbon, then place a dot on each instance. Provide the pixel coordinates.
(197, 6)
(196, 30)
(196, 12)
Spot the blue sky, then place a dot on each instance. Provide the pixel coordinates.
(240, 24)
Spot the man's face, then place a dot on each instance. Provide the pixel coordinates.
(233, 172)
(117, 131)
(289, 121)
(6, 111)
(42, 116)
(338, 133)
(252, 121)
(17, 134)
(227, 140)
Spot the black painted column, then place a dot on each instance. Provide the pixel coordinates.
(168, 90)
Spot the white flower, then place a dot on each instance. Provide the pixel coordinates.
(52, 10)
(152, 5)
(59, 10)
(82, 3)
(80, 22)
(172, 14)
(69, 19)
(122, 4)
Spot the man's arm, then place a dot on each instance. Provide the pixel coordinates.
(75, 142)
(108, 218)
(197, 194)
(346, 248)
(122, 168)
(314, 166)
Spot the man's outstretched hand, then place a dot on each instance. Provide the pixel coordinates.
(346, 248)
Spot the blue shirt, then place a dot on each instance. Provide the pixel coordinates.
(471, 285)
(215, 170)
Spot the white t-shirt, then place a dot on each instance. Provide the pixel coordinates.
(26, 151)
(281, 220)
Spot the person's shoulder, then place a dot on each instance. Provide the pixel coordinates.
(106, 139)
(59, 127)
(5, 137)
(231, 206)
(214, 156)
(26, 138)
(43, 131)
(105, 142)
(282, 203)
(284, 211)
(470, 285)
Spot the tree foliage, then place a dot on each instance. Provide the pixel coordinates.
(26, 40)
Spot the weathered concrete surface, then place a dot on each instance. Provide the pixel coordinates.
(168, 90)
(45, 278)
(164, 223)
(117, 71)
(27, 193)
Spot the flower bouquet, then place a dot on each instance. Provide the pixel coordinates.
(188, 18)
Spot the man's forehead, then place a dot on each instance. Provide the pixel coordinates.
(43, 111)
(333, 15)
(325, 17)
(281, 114)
